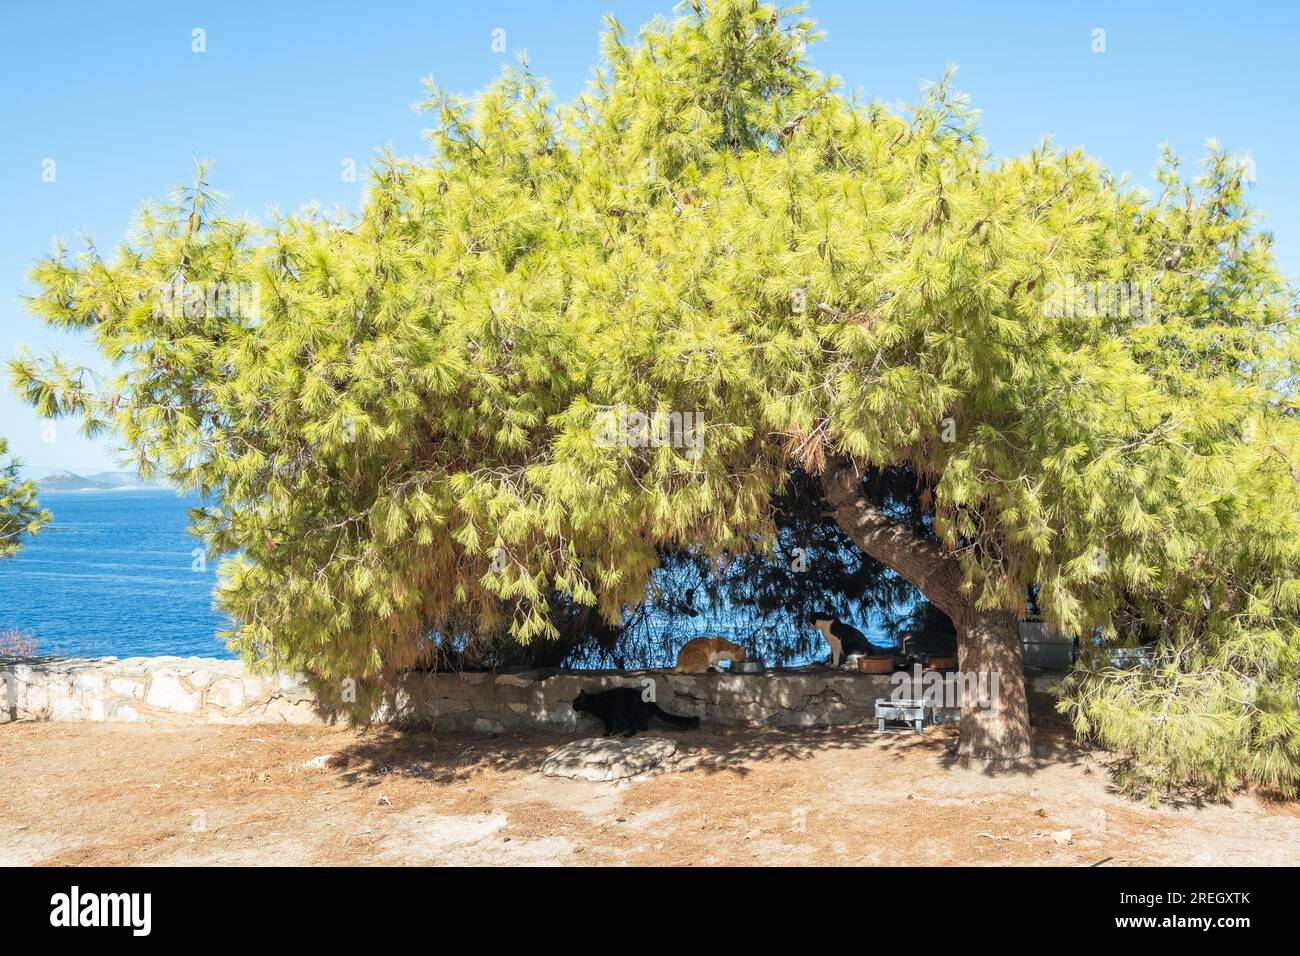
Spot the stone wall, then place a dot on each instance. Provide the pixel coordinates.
(153, 689)
(177, 690)
(482, 701)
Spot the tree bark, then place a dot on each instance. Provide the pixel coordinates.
(994, 721)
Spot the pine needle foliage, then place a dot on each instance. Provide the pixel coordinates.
(20, 514)
(403, 444)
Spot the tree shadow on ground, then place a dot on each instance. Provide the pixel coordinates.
(452, 756)
(1055, 744)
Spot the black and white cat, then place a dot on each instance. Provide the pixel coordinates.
(844, 639)
(624, 711)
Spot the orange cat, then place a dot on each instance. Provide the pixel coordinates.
(699, 655)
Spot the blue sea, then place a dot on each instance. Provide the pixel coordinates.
(113, 574)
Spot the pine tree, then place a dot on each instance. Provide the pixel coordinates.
(20, 514)
(408, 432)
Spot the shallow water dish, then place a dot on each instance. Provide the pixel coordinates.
(748, 667)
(876, 664)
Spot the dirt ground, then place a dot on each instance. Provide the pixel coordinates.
(79, 794)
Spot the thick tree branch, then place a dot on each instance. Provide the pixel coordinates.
(996, 726)
(926, 565)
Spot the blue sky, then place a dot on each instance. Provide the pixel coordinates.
(286, 92)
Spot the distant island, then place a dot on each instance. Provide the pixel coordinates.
(100, 481)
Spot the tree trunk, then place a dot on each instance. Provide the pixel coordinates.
(994, 721)
(995, 724)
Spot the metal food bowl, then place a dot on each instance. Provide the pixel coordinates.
(748, 667)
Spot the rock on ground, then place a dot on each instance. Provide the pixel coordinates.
(610, 758)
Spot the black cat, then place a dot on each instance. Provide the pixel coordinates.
(623, 710)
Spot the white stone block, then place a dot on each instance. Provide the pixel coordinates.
(227, 694)
(166, 693)
(125, 687)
